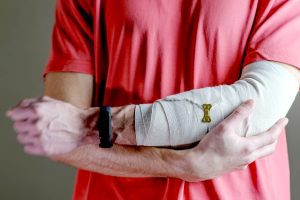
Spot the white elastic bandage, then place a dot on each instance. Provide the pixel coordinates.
(177, 119)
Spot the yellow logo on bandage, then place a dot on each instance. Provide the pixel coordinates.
(206, 118)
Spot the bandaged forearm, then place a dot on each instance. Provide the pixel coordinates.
(186, 117)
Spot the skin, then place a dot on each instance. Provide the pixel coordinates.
(220, 151)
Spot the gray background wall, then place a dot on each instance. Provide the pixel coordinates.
(25, 29)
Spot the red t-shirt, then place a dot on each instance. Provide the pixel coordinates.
(156, 48)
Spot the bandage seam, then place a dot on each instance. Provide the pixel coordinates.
(259, 81)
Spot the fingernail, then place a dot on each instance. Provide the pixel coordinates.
(285, 121)
(249, 103)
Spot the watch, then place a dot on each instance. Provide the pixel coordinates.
(104, 127)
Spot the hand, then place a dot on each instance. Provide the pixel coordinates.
(223, 149)
(48, 127)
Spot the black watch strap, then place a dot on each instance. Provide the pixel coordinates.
(104, 127)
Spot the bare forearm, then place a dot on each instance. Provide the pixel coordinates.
(127, 161)
(120, 160)
(220, 151)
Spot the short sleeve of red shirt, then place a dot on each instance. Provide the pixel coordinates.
(276, 33)
(72, 38)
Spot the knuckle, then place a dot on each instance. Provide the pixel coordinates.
(24, 102)
(247, 149)
(238, 112)
(223, 128)
(243, 167)
(276, 126)
(273, 137)
(269, 152)
(36, 108)
(242, 109)
(248, 159)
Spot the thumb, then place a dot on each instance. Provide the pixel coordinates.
(241, 112)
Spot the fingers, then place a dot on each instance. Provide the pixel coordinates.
(22, 105)
(26, 102)
(265, 151)
(269, 137)
(243, 167)
(45, 125)
(240, 113)
(265, 144)
(32, 144)
(25, 139)
(20, 113)
(25, 109)
(260, 153)
(26, 126)
(278, 126)
(34, 150)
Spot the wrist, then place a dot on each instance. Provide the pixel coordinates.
(176, 161)
(123, 125)
(92, 137)
(189, 164)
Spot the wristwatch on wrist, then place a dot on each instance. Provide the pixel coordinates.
(104, 127)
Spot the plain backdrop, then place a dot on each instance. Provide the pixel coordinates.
(25, 30)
